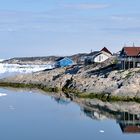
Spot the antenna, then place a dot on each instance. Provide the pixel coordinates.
(133, 44)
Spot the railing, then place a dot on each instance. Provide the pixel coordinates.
(129, 59)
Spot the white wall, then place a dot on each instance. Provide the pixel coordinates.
(100, 58)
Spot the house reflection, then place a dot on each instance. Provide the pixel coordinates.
(129, 123)
(95, 115)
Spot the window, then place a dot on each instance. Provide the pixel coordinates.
(100, 58)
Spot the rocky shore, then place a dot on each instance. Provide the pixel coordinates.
(101, 81)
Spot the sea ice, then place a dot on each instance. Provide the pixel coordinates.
(102, 131)
(3, 94)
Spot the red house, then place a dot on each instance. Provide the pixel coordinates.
(130, 57)
(129, 123)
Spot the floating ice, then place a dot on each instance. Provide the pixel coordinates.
(102, 131)
(5, 68)
(3, 94)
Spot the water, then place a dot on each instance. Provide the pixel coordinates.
(31, 115)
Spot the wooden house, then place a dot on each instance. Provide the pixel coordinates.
(103, 55)
(129, 123)
(130, 57)
(98, 56)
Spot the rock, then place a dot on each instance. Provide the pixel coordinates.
(105, 80)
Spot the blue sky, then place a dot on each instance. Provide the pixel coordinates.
(65, 27)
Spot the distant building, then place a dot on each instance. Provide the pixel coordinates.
(98, 56)
(64, 62)
(117, 54)
(130, 57)
(89, 58)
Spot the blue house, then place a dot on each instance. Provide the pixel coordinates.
(64, 62)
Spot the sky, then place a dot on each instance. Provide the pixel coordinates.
(65, 27)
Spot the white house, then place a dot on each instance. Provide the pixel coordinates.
(102, 55)
(98, 56)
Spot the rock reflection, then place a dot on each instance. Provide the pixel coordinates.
(126, 114)
(61, 100)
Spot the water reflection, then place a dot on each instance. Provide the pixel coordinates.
(126, 115)
(128, 122)
(61, 100)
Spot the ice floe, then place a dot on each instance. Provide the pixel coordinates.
(3, 94)
(102, 131)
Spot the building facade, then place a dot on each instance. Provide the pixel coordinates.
(130, 57)
(99, 56)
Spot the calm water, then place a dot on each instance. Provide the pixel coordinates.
(26, 115)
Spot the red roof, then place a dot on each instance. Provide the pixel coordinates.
(132, 51)
(132, 129)
(106, 50)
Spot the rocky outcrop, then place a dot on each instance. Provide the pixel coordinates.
(120, 83)
(51, 78)
(87, 80)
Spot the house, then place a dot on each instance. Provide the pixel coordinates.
(98, 56)
(63, 62)
(130, 57)
(129, 123)
(103, 55)
(89, 58)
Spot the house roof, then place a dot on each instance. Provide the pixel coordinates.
(132, 51)
(63, 58)
(106, 50)
(60, 58)
(131, 129)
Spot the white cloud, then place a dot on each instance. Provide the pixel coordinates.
(86, 6)
(122, 18)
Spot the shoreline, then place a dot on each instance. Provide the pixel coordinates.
(72, 94)
(102, 81)
(104, 109)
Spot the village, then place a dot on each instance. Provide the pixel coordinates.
(114, 76)
(102, 82)
(69, 69)
(127, 58)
